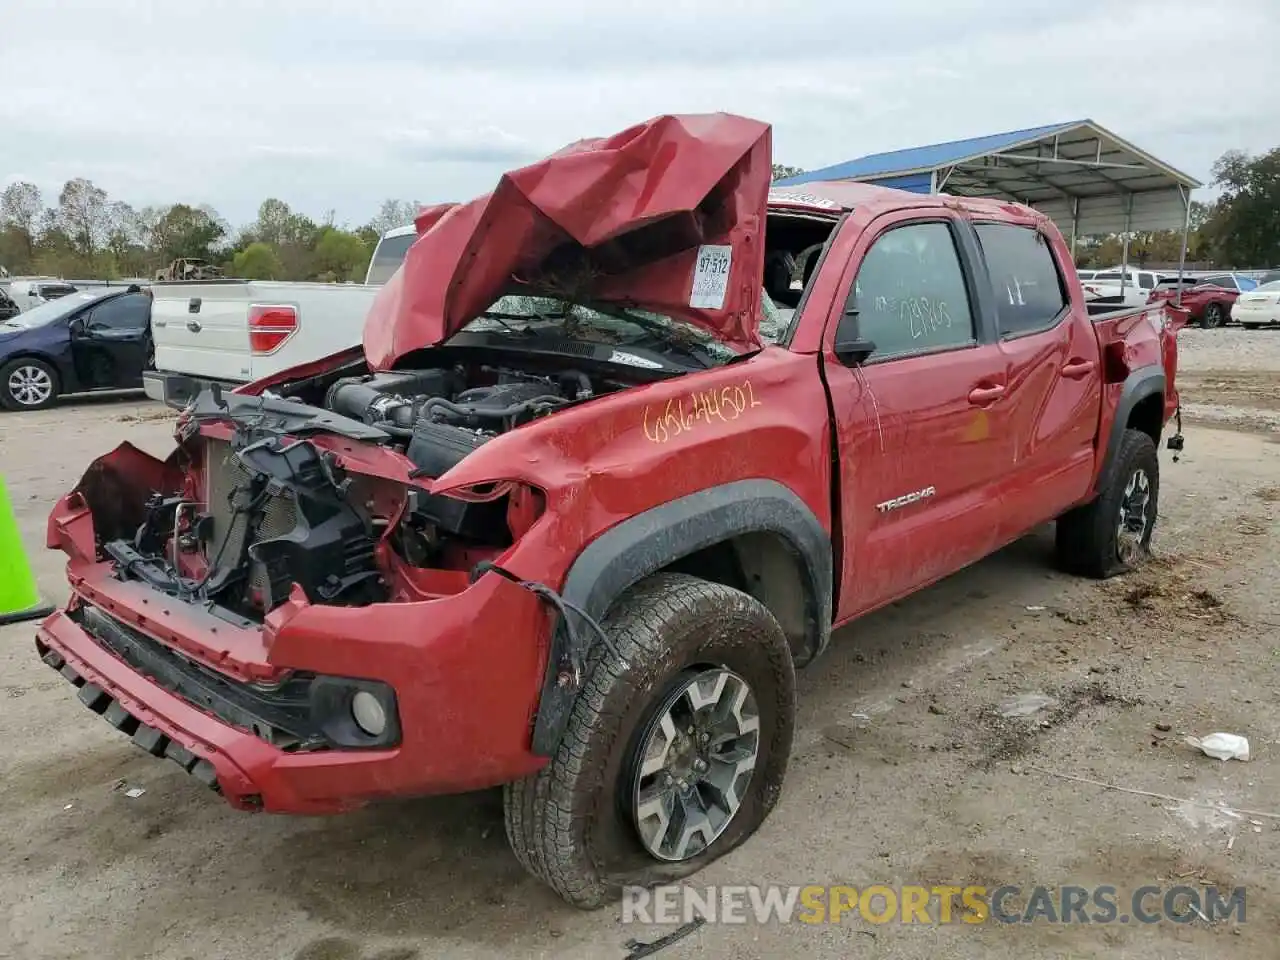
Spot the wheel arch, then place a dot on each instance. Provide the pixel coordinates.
(1141, 407)
(755, 535)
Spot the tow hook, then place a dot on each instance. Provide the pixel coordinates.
(1175, 442)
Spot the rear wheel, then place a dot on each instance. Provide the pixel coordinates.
(1213, 316)
(28, 384)
(673, 757)
(1112, 534)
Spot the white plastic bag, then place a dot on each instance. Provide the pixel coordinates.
(1221, 746)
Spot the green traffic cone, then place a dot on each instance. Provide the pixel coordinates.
(19, 599)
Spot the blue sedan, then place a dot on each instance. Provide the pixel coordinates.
(90, 340)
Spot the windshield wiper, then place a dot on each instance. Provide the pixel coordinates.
(659, 331)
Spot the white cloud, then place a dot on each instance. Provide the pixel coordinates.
(333, 105)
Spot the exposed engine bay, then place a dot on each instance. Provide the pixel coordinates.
(267, 509)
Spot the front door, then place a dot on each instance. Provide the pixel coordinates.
(111, 342)
(917, 423)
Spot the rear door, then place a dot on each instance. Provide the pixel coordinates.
(1053, 395)
(110, 342)
(918, 449)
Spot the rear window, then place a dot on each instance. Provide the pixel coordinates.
(1028, 287)
(388, 256)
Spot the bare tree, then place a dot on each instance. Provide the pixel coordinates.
(84, 214)
(394, 213)
(20, 207)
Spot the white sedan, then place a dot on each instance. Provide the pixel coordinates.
(1257, 307)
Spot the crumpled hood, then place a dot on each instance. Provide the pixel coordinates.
(666, 216)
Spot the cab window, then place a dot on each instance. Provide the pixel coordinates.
(1028, 288)
(910, 294)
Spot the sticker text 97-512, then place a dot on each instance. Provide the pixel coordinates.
(711, 276)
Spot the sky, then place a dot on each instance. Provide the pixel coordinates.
(337, 106)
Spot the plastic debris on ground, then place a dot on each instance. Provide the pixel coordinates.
(1025, 704)
(1221, 746)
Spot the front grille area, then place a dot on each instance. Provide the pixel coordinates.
(279, 516)
(279, 714)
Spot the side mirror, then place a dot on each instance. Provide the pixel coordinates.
(852, 351)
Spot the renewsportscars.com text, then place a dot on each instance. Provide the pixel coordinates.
(934, 904)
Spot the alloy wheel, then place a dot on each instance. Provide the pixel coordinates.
(30, 386)
(1134, 520)
(694, 763)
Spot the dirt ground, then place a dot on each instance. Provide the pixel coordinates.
(904, 771)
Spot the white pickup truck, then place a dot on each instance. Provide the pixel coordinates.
(234, 331)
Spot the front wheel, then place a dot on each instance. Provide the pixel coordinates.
(28, 384)
(1112, 534)
(671, 758)
(1213, 316)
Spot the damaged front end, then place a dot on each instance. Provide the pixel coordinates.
(271, 576)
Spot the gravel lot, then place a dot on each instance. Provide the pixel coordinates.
(1228, 376)
(928, 785)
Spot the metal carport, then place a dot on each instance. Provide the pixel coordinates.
(1083, 176)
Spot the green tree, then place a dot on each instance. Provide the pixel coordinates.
(184, 231)
(257, 261)
(781, 170)
(1245, 223)
(340, 255)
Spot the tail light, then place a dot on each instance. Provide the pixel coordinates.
(270, 325)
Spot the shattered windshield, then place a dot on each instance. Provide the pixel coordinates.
(619, 326)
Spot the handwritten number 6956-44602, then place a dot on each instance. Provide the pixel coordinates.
(683, 414)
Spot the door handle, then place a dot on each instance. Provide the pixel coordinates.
(159, 323)
(1077, 369)
(981, 396)
(193, 326)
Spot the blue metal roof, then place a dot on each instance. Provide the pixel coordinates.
(925, 158)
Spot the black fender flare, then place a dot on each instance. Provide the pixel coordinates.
(1138, 386)
(649, 541)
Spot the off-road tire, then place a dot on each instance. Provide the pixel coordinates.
(9, 402)
(1087, 535)
(1213, 316)
(570, 824)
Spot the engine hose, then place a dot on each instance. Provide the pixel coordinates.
(499, 413)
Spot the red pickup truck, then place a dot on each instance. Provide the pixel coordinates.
(1208, 302)
(596, 485)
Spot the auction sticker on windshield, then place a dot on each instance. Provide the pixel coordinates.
(711, 276)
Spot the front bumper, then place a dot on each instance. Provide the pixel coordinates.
(176, 389)
(466, 674)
